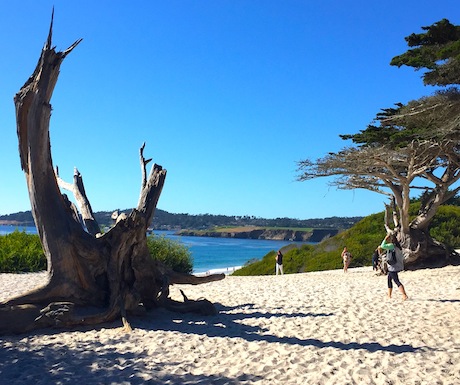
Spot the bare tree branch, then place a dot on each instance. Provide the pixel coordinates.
(78, 190)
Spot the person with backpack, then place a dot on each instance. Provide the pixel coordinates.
(395, 263)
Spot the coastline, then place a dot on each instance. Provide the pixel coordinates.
(311, 328)
(262, 233)
(225, 270)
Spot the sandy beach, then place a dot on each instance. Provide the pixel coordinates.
(312, 328)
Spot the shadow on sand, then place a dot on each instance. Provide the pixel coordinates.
(94, 362)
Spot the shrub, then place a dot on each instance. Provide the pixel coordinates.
(173, 254)
(445, 226)
(21, 252)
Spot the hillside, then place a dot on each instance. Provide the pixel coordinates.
(164, 220)
(361, 240)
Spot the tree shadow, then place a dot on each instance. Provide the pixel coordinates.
(94, 362)
(445, 300)
(23, 361)
(227, 324)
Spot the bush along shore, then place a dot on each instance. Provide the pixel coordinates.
(22, 253)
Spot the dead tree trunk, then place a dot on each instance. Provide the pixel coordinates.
(112, 273)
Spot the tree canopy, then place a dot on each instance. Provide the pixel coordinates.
(413, 146)
(437, 50)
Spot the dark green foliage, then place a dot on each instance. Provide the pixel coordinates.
(437, 50)
(21, 252)
(397, 127)
(383, 134)
(455, 201)
(172, 254)
(445, 227)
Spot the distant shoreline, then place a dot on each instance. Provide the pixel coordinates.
(226, 271)
(291, 235)
(17, 223)
(164, 220)
(243, 232)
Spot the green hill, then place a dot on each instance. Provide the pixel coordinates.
(361, 239)
(164, 220)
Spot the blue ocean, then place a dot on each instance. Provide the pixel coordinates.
(208, 253)
(222, 253)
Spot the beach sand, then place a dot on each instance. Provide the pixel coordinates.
(312, 328)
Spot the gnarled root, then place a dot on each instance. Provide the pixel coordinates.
(200, 306)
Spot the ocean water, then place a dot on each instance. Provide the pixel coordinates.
(207, 253)
(222, 253)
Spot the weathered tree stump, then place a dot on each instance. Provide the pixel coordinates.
(112, 272)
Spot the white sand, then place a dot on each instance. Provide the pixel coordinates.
(314, 328)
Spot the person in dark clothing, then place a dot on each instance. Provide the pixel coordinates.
(279, 263)
(375, 259)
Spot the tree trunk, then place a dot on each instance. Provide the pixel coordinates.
(421, 251)
(112, 273)
(419, 248)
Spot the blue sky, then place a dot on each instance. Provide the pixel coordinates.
(228, 96)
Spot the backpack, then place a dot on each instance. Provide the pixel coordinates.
(391, 257)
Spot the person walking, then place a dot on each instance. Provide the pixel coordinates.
(279, 263)
(389, 243)
(346, 256)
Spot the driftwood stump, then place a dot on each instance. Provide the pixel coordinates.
(112, 274)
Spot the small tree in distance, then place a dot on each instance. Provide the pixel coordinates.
(407, 148)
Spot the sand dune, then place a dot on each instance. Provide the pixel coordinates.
(314, 328)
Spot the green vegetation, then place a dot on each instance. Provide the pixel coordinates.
(361, 240)
(173, 254)
(22, 252)
(445, 227)
(437, 50)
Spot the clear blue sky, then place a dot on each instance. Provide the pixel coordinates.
(228, 96)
